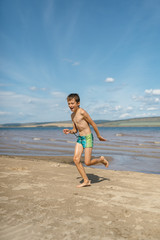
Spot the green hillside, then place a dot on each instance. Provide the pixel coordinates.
(134, 122)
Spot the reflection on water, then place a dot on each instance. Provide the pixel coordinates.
(133, 149)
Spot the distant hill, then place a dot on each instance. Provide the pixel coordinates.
(134, 122)
(39, 124)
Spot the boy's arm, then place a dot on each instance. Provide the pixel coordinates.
(92, 123)
(74, 130)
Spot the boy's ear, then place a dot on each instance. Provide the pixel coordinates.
(78, 104)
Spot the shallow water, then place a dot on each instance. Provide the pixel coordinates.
(131, 149)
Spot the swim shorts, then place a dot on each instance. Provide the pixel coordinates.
(86, 141)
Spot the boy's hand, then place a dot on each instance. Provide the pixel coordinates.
(66, 131)
(102, 139)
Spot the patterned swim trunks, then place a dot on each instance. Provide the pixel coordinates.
(86, 141)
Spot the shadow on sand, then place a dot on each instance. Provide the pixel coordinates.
(94, 178)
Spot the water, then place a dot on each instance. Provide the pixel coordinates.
(131, 149)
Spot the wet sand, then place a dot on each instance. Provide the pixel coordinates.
(39, 200)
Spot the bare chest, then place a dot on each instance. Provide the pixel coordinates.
(78, 119)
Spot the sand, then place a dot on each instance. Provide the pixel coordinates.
(39, 200)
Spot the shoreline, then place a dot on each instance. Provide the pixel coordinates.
(39, 200)
(69, 160)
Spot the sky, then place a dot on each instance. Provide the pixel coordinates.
(107, 51)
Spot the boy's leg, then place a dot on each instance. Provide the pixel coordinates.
(89, 162)
(77, 158)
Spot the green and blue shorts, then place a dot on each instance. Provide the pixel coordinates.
(86, 141)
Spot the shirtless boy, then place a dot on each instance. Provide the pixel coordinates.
(81, 122)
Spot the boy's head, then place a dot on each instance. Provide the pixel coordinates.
(75, 96)
(73, 100)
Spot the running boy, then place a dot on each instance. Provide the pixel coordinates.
(81, 122)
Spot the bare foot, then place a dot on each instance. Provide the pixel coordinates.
(104, 161)
(84, 184)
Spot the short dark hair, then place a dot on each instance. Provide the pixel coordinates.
(75, 96)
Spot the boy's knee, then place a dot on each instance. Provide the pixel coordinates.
(76, 159)
(87, 163)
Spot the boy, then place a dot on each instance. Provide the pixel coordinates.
(81, 121)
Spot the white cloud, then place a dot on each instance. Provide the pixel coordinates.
(157, 100)
(124, 115)
(33, 88)
(149, 103)
(148, 99)
(117, 108)
(6, 94)
(109, 80)
(58, 94)
(153, 91)
(4, 113)
(152, 108)
(43, 89)
(129, 108)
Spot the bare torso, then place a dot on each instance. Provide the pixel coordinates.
(80, 123)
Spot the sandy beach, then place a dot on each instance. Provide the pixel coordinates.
(39, 200)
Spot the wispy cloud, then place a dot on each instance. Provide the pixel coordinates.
(4, 113)
(33, 88)
(152, 91)
(73, 63)
(21, 106)
(12, 71)
(148, 103)
(59, 94)
(48, 11)
(147, 100)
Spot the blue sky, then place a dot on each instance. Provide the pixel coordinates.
(108, 51)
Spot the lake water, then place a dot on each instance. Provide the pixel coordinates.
(131, 149)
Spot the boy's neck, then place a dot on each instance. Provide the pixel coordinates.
(77, 110)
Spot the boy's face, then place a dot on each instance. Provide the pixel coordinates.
(73, 105)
